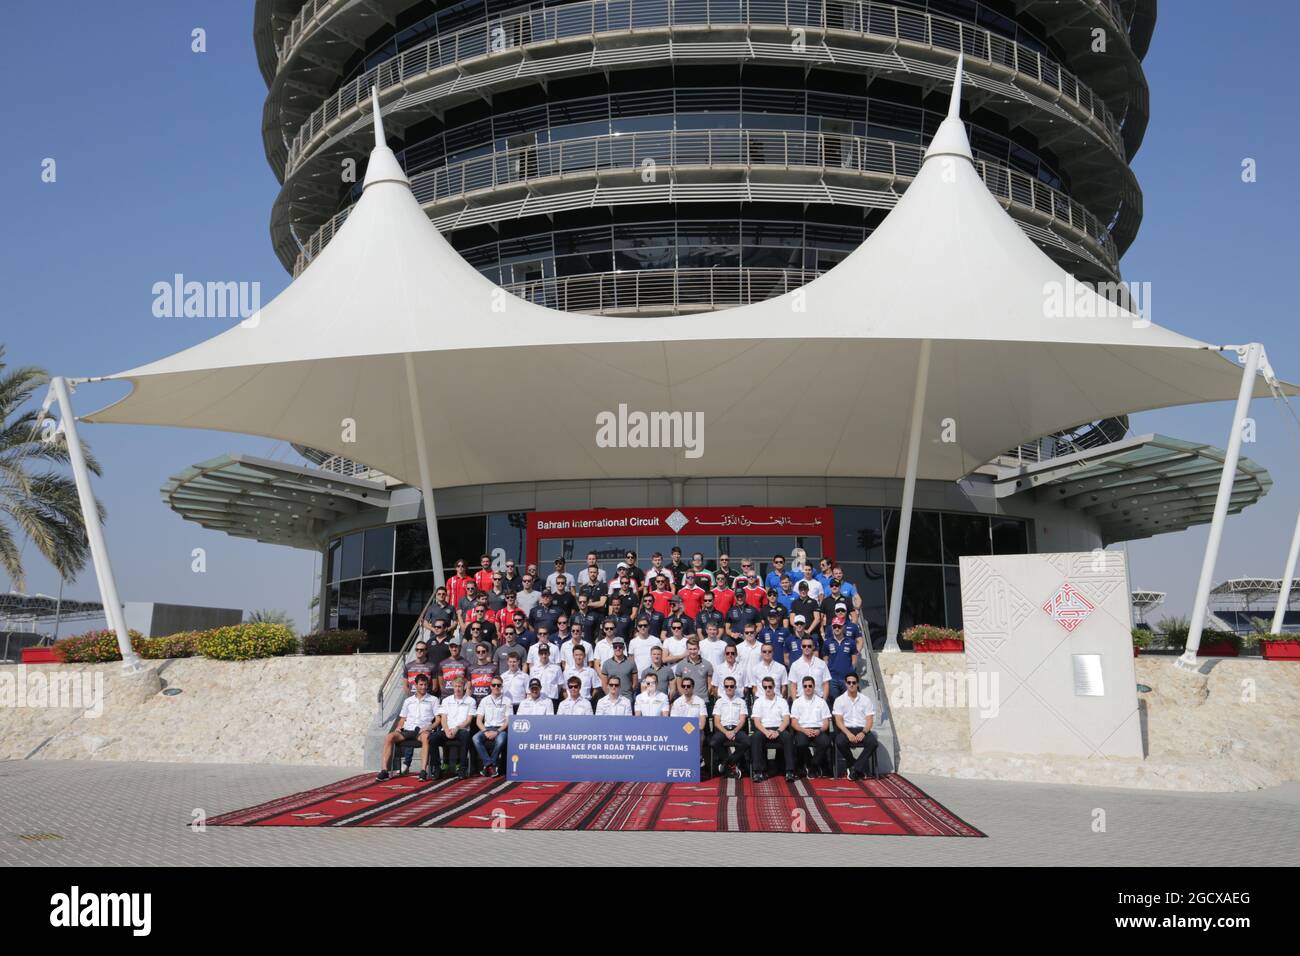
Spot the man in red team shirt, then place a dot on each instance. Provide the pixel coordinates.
(692, 595)
(755, 593)
(724, 599)
(662, 593)
(483, 576)
(457, 583)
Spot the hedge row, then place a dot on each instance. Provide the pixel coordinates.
(238, 642)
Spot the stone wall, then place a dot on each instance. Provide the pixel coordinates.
(1234, 726)
(291, 710)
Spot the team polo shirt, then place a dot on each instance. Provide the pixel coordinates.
(854, 710)
(574, 708)
(847, 590)
(731, 711)
(688, 624)
(651, 705)
(554, 576)
(663, 601)
(456, 588)
(588, 676)
(457, 713)
(602, 652)
(775, 670)
(724, 599)
(495, 711)
(747, 655)
(816, 669)
(586, 620)
(815, 590)
(593, 592)
(527, 600)
(448, 671)
(547, 616)
(654, 572)
(654, 619)
(624, 670)
(663, 675)
(785, 599)
(639, 648)
(779, 638)
(740, 616)
(501, 656)
(440, 612)
(617, 706)
(714, 651)
(565, 603)
(480, 679)
(703, 578)
(414, 669)
(839, 655)
(695, 707)
(514, 685)
(701, 673)
(736, 672)
(770, 713)
(530, 707)
(705, 617)
(566, 652)
(418, 712)
(773, 580)
(622, 624)
(806, 607)
(692, 598)
(675, 647)
(756, 597)
(810, 712)
(536, 658)
(551, 677)
(794, 646)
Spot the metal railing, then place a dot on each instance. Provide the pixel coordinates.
(1093, 435)
(661, 290)
(394, 682)
(750, 149)
(583, 20)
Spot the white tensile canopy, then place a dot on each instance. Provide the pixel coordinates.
(942, 317)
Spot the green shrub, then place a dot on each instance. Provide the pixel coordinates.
(334, 642)
(94, 647)
(164, 648)
(929, 632)
(246, 642)
(1142, 637)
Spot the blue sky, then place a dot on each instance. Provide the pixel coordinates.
(161, 170)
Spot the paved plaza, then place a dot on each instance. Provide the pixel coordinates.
(102, 814)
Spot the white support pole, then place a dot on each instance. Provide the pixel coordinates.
(909, 493)
(94, 530)
(426, 484)
(1284, 592)
(1252, 354)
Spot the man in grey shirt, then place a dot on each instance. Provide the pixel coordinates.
(695, 667)
(502, 653)
(662, 672)
(622, 667)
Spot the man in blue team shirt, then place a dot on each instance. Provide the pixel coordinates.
(773, 579)
(773, 633)
(787, 594)
(740, 615)
(841, 650)
(848, 590)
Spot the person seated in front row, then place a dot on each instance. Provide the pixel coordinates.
(419, 711)
(854, 715)
(535, 703)
(574, 704)
(729, 713)
(494, 712)
(455, 715)
(615, 702)
(650, 703)
(810, 720)
(771, 727)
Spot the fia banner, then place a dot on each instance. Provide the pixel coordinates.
(604, 749)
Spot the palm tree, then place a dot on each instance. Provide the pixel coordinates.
(270, 616)
(39, 505)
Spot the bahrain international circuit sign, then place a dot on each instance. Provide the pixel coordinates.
(1052, 633)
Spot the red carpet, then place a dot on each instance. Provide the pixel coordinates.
(890, 806)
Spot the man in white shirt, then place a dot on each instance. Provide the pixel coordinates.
(650, 703)
(729, 713)
(514, 682)
(455, 715)
(604, 648)
(535, 704)
(728, 668)
(614, 703)
(771, 728)
(494, 712)
(585, 576)
(810, 719)
(693, 707)
(767, 666)
(575, 640)
(574, 704)
(808, 665)
(640, 645)
(419, 711)
(587, 678)
(543, 640)
(675, 642)
(854, 715)
(815, 590)
(549, 674)
(558, 573)
(748, 651)
(526, 598)
(713, 646)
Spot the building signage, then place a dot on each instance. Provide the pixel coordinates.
(606, 749)
(799, 522)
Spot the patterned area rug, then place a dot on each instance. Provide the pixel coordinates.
(890, 806)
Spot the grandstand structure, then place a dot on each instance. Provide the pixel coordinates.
(1243, 605)
(1143, 603)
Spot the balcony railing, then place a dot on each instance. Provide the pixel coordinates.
(658, 152)
(579, 20)
(661, 291)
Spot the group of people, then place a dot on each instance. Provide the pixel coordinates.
(760, 662)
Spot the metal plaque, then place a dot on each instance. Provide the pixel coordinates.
(1087, 676)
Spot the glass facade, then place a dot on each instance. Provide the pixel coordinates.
(380, 578)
